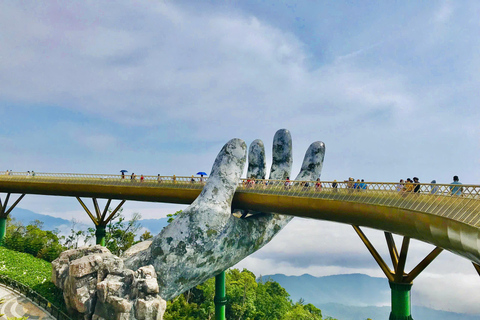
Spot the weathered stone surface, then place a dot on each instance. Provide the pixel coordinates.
(281, 155)
(77, 272)
(257, 164)
(98, 286)
(136, 248)
(206, 238)
(60, 266)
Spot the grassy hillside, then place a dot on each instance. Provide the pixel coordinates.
(32, 272)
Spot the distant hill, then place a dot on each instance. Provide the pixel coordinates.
(353, 297)
(346, 312)
(51, 223)
(351, 289)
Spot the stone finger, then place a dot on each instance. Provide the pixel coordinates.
(312, 162)
(281, 155)
(257, 165)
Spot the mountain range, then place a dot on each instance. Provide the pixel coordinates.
(353, 297)
(63, 226)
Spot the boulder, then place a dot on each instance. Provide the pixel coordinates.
(96, 285)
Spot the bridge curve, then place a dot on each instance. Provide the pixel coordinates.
(432, 215)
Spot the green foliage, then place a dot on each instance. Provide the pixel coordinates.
(76, 237)
(301, 312)
(145, 236)
(171, 216)
(120, 233)
(247, 300)
(30, 271)
(33, 240)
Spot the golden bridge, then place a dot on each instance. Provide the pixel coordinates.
(444, 215)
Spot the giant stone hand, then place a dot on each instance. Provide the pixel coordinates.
(206, 238)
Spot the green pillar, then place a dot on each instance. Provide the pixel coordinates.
(100, 235)
(3, 229)
(401, 306)
(220, 297)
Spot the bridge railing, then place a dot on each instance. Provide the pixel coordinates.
(194, 182)
(459, 202)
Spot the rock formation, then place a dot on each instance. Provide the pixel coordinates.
(96, 285)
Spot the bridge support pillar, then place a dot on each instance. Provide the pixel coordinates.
(3, 229)
(101, 219)
(401, 306)
(220, 296)
(4, 215)
(400, 281)
(100, 234)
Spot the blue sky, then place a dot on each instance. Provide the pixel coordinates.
(159, 87)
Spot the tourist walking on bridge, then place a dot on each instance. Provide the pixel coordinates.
(408, 185)
(400, 186)
(456, 190)
(434, 187)
(416, 183)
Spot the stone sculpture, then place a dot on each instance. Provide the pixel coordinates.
(96, 285)
(204, 240)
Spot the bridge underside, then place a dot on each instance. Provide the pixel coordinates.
(457, 237)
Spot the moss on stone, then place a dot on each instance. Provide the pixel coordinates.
(211, 232)
(181, 249)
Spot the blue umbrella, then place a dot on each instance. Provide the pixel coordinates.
(202, 173)
(123, 171)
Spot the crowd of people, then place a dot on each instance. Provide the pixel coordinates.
(414, 186)
(404, 187)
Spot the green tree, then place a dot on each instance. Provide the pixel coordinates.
(171, 216)
(120, 233)
(241, 294)
(76, 237)
(303, 312)
(272, 301)
(145, 236)
(33, 240)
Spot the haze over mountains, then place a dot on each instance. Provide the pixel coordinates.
(64, 226)
(345, 296)
(353, 297)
